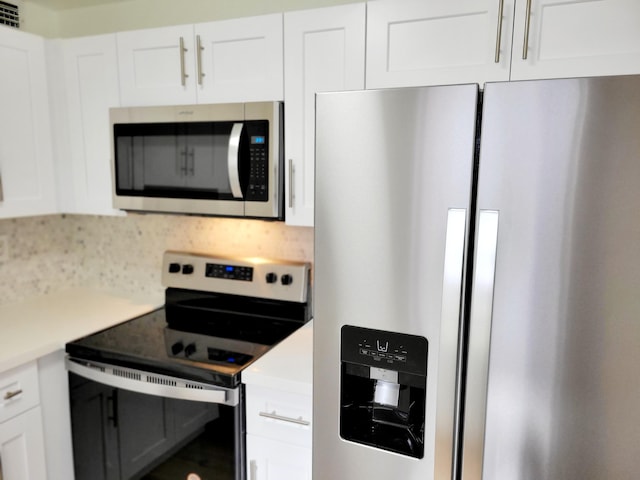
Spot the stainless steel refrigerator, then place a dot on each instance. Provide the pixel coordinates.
(477, 282)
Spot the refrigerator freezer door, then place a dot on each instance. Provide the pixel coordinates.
(394, 171)
(560, 163)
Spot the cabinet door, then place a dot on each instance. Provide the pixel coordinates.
(27, 182)
(156, 66)
(146, 430)
(95, 440)
(575, 38)
(324, 51)
(239, 60)
(413, 42)
(91, 86)
(22, 447)
(189, 417)
(268, 459)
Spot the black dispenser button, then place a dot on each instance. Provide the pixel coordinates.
(190, 349)
(187, 269)
(271, 277)
(174, 267)
(286, 279)
(176, 348)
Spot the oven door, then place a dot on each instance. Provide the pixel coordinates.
(132, 424)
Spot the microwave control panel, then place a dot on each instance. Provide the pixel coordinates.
(258, 189)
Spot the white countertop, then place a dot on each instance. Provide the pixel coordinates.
(288, 366)
(36, 327)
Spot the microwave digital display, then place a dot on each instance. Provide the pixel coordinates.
(257, 140)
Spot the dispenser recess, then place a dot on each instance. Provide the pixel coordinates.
(383, 389)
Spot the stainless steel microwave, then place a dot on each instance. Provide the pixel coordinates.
(222, 159)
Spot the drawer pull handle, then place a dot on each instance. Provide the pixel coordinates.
(10, 395)
(274, 416)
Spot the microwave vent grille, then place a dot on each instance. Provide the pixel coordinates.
(9, 14)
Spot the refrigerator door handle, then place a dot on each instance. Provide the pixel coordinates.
(452, 285)
(479, 342)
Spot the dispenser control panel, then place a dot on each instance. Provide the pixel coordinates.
(390, 350)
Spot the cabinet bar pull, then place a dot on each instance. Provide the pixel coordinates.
(183, 73)
(199, 49)
(1, 197)
(274, 416)
(10, 395)
(192, 165)
(253, 470)
(527, 21)
(499, 32)
(290, 183)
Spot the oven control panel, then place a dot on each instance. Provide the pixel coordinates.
(254, 277)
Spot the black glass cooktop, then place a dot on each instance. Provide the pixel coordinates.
(202, 337)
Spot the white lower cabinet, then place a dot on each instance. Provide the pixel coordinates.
(22, 452)
(269, 459)
(278, 434)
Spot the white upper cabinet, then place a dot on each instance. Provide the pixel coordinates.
(240, 60)
(91, 87)
(415, 42)
(435, 42)
(324, 50)
(575, 38)
(217, 62)
(157, 66)
(27, 182)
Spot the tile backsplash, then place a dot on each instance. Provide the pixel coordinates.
(124, 254)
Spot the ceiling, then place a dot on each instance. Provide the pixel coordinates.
(67, 4)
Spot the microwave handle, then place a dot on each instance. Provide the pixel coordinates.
(233, 160)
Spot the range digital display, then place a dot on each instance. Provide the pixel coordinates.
(229, 272)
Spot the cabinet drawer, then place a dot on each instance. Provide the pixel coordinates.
(279, 415)
(19, 390)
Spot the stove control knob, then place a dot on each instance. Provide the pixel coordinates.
(187, 269)
(189, 349)
(286, 279)
(271, 277)
(174, 267)
(176, 348)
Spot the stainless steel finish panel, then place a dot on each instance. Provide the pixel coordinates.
(391, 167)
(560, 161)
(295, 291)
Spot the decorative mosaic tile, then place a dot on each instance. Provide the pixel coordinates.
(124, 254)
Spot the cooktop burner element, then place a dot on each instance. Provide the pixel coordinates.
(220, 315)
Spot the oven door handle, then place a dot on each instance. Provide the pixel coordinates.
(153, 384)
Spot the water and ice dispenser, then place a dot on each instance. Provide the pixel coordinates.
(383, 388)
